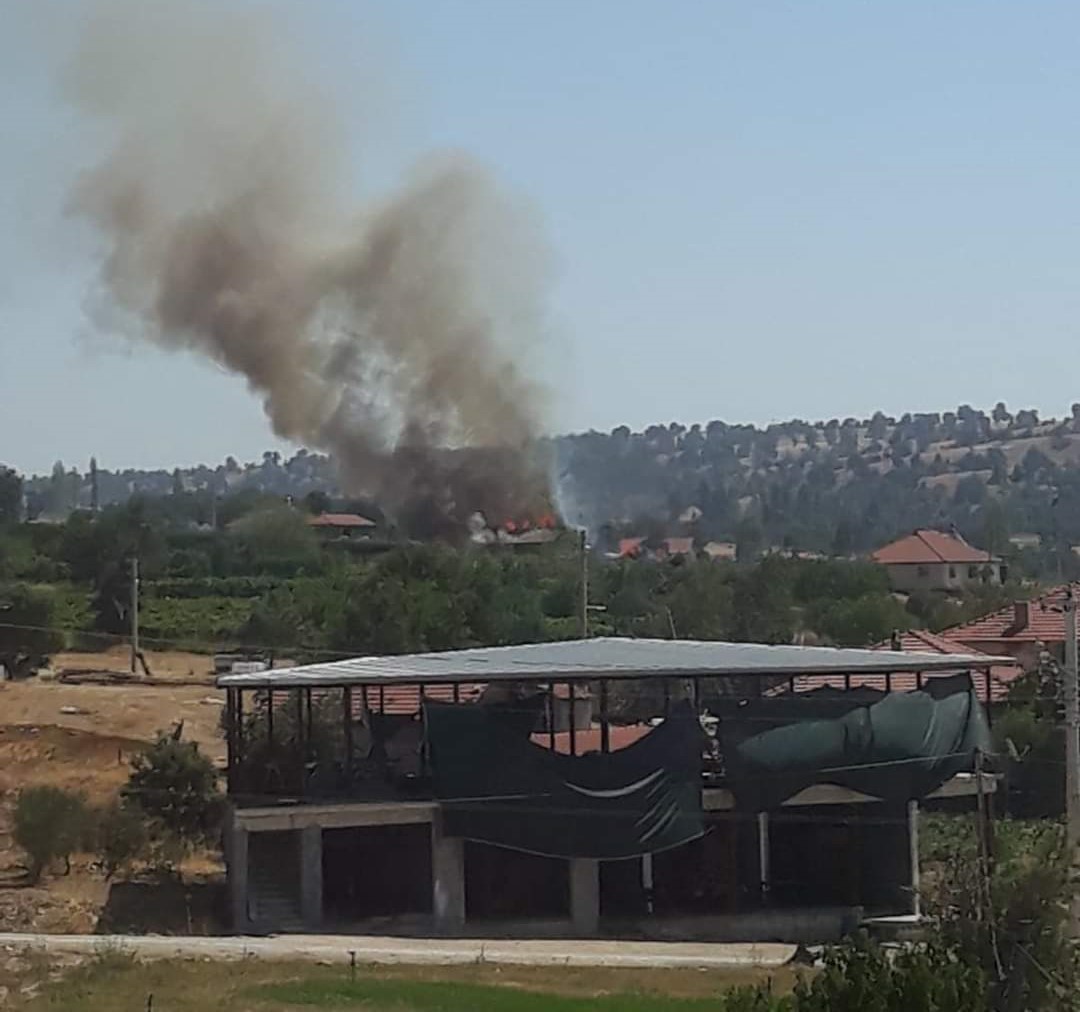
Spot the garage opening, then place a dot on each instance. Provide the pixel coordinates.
(502, 884)
(376, 871)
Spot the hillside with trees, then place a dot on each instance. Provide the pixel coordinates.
(836, 487)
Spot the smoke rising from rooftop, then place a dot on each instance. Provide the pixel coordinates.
(382, 333)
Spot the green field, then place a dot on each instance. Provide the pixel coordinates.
(115, 982)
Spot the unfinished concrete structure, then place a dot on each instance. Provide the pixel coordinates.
(347, 807)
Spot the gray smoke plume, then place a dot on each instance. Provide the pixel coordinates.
(382, 333)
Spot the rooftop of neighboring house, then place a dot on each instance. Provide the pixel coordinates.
(1042, 619)
(720, 549)
(340, 520)
(926, 547)
(589, 739)
(631, 548)
(920, 641)
(679, 546)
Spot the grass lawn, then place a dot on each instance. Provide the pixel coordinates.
(115, 982)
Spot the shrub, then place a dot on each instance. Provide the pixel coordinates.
(26, 636)
(173, 783)
(49, 824)
(860, 977)
(122, 837)
(1022, 942)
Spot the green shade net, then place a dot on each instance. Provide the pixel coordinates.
(499, 787)
(893, 746)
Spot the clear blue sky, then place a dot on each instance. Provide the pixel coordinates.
(759, 210)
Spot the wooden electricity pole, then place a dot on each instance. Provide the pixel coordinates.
(1072, 726)
(134, 613)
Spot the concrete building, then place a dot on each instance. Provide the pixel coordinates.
(406, 793)
(933, 560)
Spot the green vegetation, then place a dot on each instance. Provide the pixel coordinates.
(265, 581)
(171, 802)
(431, 996)
(28, 624)
(1006, 914)
(175, 787)
(113, 980)
(122, 837)
(50, 824)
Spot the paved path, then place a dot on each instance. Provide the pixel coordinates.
(368, 949)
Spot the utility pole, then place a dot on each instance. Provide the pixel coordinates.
(134, 613)
(1072, 726)
(583, 620)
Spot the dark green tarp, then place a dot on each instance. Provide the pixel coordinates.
(895, 746)
(499, 787)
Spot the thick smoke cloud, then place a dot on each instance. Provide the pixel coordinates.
(383, 333)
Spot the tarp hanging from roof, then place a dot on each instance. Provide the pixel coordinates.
(498, 787)
(894, 746)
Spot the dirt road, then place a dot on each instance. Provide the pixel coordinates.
(438, 951)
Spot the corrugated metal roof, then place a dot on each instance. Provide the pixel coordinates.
(603, 658)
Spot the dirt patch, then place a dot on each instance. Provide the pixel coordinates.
(96, 764)
(127, 711)
(82, 738)
(164, 664)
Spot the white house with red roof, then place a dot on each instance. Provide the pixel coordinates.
(935, 560)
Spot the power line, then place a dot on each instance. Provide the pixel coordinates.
(119, 638)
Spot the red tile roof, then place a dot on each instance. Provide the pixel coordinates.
(928, 547)
(588, 738)
(1039, 620)
(404, 700)
(630, 548)
(917, 641)
(340, 520)
(679, 546)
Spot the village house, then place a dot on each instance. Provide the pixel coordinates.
(933, 560)
(721, 551)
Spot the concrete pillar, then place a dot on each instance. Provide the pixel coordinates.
(764, 874)
(311, 883)
(647, 881)
(913, 844)
(585, 895)
(447, 880)
(236, 864)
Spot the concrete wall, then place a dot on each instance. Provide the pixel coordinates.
(941, 576)
(279, 860)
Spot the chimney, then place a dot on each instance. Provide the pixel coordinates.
(1021, 617)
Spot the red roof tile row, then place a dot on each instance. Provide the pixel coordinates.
(1042, 619)
(916, 641)
(588, 738)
